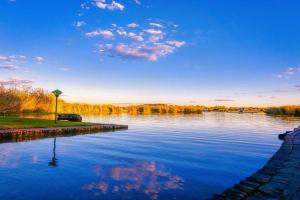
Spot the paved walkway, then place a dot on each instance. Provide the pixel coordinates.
(25, 133)
(278, 179)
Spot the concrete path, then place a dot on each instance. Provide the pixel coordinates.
(278, 179)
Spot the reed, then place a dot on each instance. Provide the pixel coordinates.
(284, 110)
(31, 100)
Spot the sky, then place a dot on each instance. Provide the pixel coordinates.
(221, 52)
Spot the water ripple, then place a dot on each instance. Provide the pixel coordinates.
(159, 157)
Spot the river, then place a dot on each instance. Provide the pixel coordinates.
(158, 157)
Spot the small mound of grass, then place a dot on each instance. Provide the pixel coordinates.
(16, 122)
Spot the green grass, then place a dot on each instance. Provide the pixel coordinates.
(16, 122)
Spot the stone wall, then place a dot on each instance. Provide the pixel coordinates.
(278, 179)
(34, 133)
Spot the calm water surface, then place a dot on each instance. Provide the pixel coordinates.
(159, 157)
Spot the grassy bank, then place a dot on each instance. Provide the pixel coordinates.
(15, 122)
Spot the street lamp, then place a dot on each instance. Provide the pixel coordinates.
(56, 93)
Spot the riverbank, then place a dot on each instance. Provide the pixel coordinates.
(10, 122)
(26, 128)
(278, 179)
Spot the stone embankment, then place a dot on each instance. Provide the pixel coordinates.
(34, 133)
(278, 179)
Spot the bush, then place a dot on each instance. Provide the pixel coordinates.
(284, 110)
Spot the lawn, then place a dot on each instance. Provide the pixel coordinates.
(16, 122)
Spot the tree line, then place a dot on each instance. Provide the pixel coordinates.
(236, 109)
(34, 100)
(31, 100)
(284, 110)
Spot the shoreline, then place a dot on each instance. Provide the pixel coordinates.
(27, 133)
(278, 179)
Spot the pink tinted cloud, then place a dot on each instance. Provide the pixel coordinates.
(134, 37)
(132, 25)
(15, 82)
(8, 66)
(150, 52)
(106, 34)
(153, 32)
(39, 60)
(288, 73)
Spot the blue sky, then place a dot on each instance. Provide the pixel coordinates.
(222, 52)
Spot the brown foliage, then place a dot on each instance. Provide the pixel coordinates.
(21, 100)
(284, 110)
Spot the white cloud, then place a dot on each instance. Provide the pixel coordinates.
(134, 37)
(288, 73)
(106, 34)
(156, 25)
(8, 66)
(11, 62)
(109, 6)
(79, 24)
(132, 25)
(280, 76)
(223, 100)
(140, 52)
(3, 58)
(148, 43)
(155, 39)
(85, 6)
(176, 43)
(280, 91)
(39, 60)
(153, 32)
(65, 69)
(132, 52)
(8, 58)
(15, 82)
(121, 32)
(137, 2)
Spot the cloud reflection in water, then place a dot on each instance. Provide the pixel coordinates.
(148, 178)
